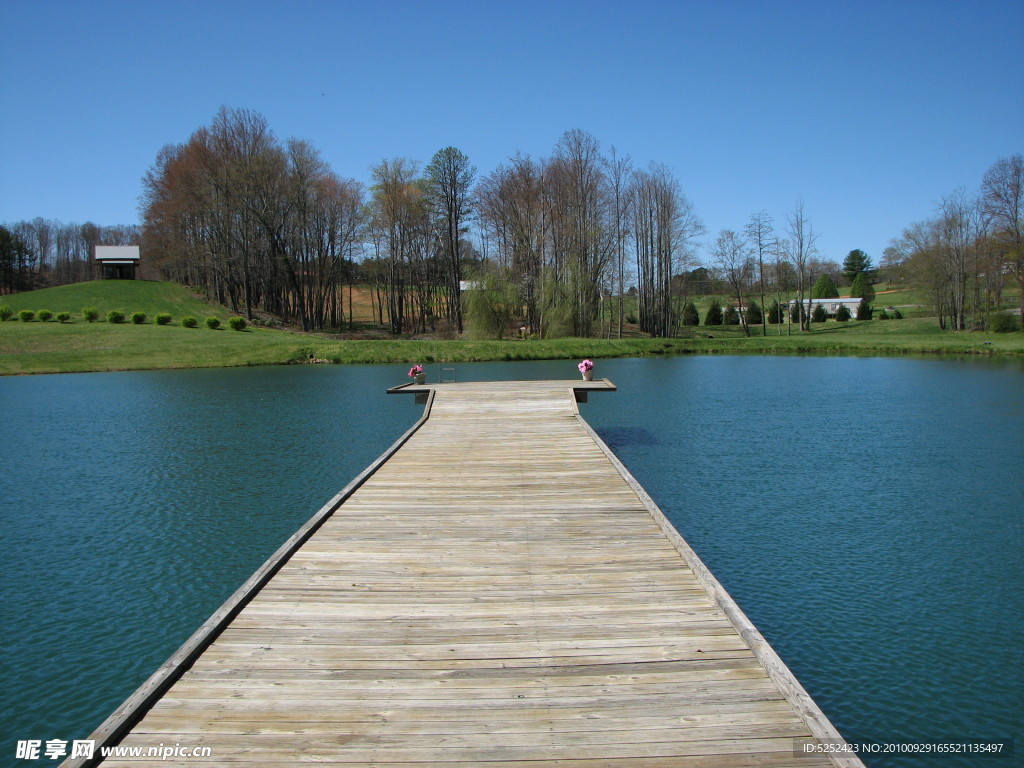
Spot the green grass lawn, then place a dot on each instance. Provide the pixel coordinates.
(51, 347)
(127, 296)
(54, 348)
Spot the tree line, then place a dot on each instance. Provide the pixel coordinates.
(577, 243)
(965, 253)
(263, 224)
(43, 252)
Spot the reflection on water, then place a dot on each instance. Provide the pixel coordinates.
(865, 513)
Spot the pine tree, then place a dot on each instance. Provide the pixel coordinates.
(690, 315)
(714, 314)
(862, 288)
(825, 288)
(775, 313)
(856, 261)
(819, 315)
(754, 313)
(842, 314)
(864, 309)
(732, 317)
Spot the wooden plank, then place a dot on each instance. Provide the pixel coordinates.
(468, 603)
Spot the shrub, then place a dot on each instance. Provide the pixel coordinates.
(883, 315)
(162, 318)
(842, 314)
(714, 314)
(90, 314)
(63, 317)
(1002, 323)
(864, 308)
(796, 312)
(237, 323)
(631, 319)
(115, 316)
(213, 323)
(189, 322)
(775, 312)
(690, 314)
(819, 315)
(5, 312)
(44, 315)
(732, 317)
(26, 315)
(897, 315)
(138, 317)
(754, 314)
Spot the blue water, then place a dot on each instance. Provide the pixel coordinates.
(865, 513)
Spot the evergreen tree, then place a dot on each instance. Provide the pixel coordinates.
(714, 314)
(754, 313)
(825, 288)
(775, 313)
(690, 315)
(862, 288)
(856, 261)
(864, 309)
(843, 314)
(732, 317)
(819, 315)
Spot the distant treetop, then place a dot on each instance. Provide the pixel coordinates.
(856, 261)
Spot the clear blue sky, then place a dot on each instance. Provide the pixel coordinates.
(867, 111)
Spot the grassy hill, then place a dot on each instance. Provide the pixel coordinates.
(125, 295)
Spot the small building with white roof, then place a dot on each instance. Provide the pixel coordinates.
(117, 262)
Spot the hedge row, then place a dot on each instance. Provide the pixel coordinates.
(116, 316)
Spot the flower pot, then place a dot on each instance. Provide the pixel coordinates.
(420, 378)
(588, 375)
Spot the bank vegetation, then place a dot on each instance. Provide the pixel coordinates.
(580, 243)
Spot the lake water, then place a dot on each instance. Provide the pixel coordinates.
(866, 513)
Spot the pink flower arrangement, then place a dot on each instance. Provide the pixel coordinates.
(585, 366)
(416, 370)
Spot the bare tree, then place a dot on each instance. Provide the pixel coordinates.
(761, 236)
(664, 225)
(954, 229)
(732, 255)
(919, 251)
(582, 233)
(619, 170)
(398, 207)
(801, 250)
(782, 273)
(511, 203)
(449, 178)
(253, 222)
(1002, 190)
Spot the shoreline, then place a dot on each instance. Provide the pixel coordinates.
(122, 348)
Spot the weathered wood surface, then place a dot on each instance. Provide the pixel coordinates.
(498, 592)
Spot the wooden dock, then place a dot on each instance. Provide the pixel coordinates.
(496, 590)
